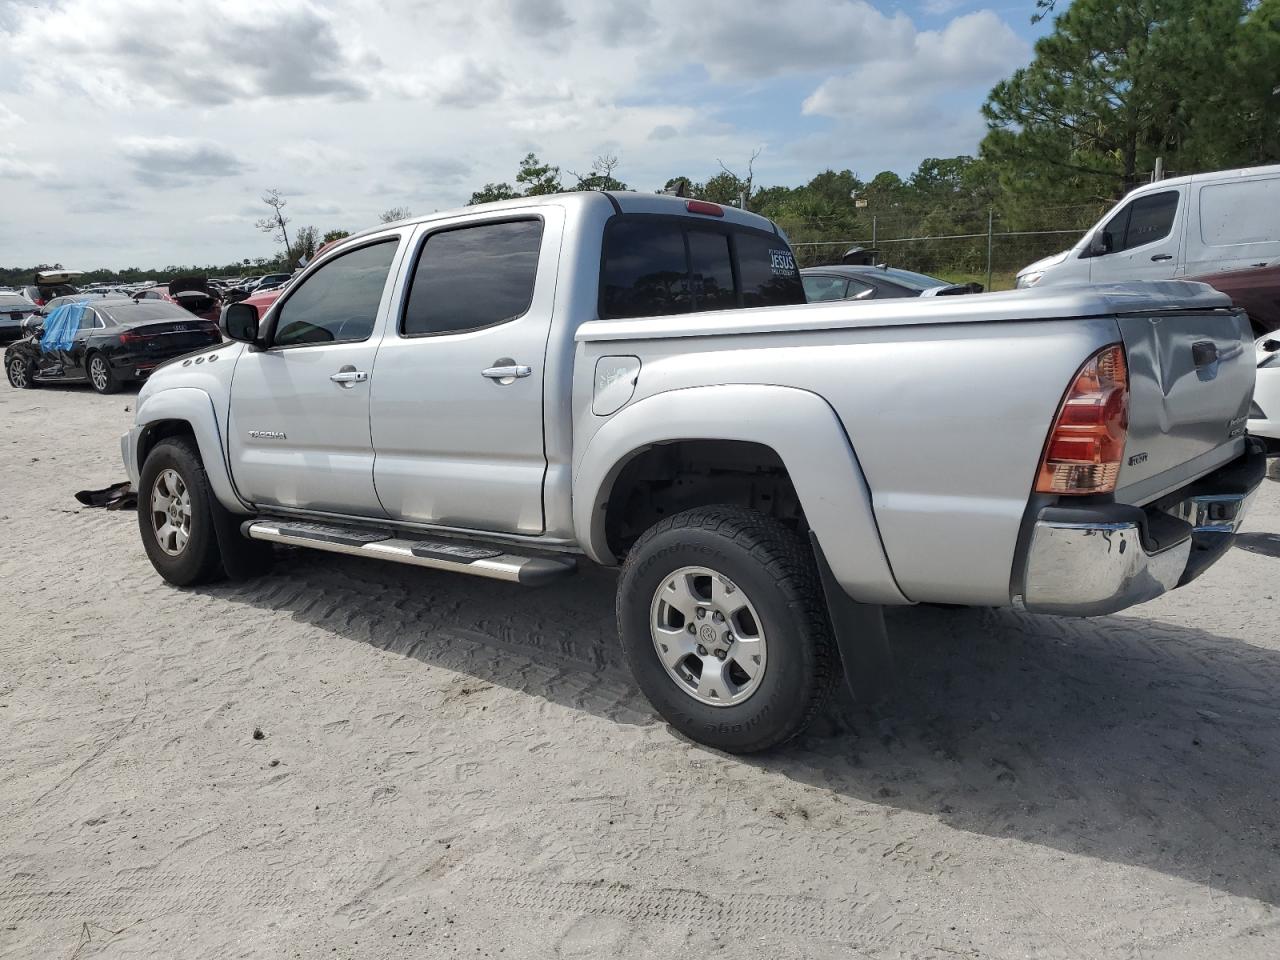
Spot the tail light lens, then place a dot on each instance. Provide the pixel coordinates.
(1086, 443)
(129, 336)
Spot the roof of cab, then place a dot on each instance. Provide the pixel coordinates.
(623, 201)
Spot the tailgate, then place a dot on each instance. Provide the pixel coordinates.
(1190, 379)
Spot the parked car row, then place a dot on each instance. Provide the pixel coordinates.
(105, 335)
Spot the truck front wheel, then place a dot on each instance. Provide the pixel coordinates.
(175, 514)
(722, 621)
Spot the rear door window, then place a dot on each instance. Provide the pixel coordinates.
(473, 277)
(646, 270)
(659, 266)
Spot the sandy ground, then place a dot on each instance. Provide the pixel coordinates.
(451, 766)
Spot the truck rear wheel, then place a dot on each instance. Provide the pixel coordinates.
(722, 621)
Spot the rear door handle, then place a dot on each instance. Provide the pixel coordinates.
(1156, 257)
(507, 372)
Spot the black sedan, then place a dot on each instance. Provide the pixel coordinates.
(111, 344)
(850, 282)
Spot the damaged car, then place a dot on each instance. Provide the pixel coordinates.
(106, 344)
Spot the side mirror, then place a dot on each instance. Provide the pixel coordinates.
(240, 322)
(1099, 244)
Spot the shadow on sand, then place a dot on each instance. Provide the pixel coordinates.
(1120, 738)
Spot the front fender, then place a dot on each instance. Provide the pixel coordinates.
(195, 408)
(798, 425)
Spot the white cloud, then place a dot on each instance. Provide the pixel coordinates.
(13, 167)
(185, 113)
(974, 50)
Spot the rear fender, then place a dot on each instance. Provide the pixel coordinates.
(797, 425)
(194, 408)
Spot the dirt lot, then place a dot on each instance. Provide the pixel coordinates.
(451, 766)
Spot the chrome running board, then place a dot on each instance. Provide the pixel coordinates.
(457, 556)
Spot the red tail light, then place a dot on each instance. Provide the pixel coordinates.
(1086, 444)
(39, 302)
(129, 336)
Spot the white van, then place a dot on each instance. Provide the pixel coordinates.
(1181, 227)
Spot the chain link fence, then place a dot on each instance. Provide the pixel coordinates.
(981, 246)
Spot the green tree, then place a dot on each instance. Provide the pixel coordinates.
(333, 235)
(305, 242)
(491, 192)
(1119, 83)
(538, 178)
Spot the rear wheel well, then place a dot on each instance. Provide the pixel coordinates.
(668, 478)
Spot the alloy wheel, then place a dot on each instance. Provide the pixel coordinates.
(99, 374)
(171, 511)
(708, 636)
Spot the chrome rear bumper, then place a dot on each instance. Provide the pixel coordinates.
(1089, 561)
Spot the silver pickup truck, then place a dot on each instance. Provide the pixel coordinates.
(635, 380)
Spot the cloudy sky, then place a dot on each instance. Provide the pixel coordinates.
(142, 132)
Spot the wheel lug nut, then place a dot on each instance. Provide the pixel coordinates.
(721, 654)
(701, 613)
(718, 617)
(702, 651)
(692, 628)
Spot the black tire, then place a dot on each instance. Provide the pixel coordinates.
(101, 377)
(20, 371)
(775, 570)
(199, 560)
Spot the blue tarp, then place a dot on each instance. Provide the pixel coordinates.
(60, 327)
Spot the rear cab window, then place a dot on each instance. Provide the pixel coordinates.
(655, 266)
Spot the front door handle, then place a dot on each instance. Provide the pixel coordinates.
(1157, 257)
(349, 376)
(507, 372)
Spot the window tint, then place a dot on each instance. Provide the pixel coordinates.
(768, 271)
(1150, 219)
(658, 266)
(860, 291)
(1113, 232)
(339, 302)
(473, 277)
(87, 318)
(711, 271)
(645, 270)
(817, 289)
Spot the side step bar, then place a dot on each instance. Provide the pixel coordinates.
(460, 557)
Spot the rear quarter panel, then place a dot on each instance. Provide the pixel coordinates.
(948, 422)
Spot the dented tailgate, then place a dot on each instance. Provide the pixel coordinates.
(1191, 378)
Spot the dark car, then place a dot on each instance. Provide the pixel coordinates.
(40, 294)
(197, 295)
(14, 309)
(1255, 289)
(844, 281)
(107, 344)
